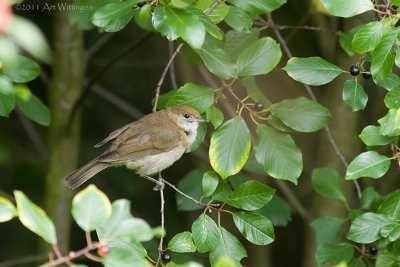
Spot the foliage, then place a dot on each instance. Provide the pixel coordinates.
(261, 131)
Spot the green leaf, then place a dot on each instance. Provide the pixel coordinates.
(390, 123)
(258, 6)
(382, 57)
(254, 92)
(205, 233)
(145, 12)
(302, 114)
(386, 259)
(90, 208)
(34, 218)
(278, 154)
(230, 147)
(81, 13)
(327, 182)
(369, 198)
(239, 19)
(354, 95)
(124, 257)
(182, 243)
(368, 164)
(392, 81)
(201, 134)
(190, 184)
(210, 183)
(215, 116)
(224, 261)
(217, 61)
(392, 99)
(229, 246)
(217, 14)
(32, 106)
(356, 263)
(211, 28)
(181, 4)
(114, 17)
(368, 36)
(327, 229)
(277, 211)
(312, 70)
(334, 253)
(187, 26)
(109, 229)
(159, 21)
(7, 210)
(345, 8)
(366, 228)
(371, 136)
(7, 97)
(391, 206)
(259, 58)
(236, 42)
(251, 195)
(199, 97)
(254, 227)
(222, 192)
(278, 124)
(345, 41)
(21, 70)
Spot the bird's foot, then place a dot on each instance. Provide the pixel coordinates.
(159, 185)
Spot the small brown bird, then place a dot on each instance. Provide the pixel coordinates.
(147, 146)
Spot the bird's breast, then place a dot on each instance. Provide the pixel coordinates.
(153, 164)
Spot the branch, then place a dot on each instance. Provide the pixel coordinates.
(312, 96)
(172, 73)
(162, 204)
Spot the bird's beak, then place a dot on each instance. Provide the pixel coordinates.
(200, 119)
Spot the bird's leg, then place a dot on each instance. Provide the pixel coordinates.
(159, 183)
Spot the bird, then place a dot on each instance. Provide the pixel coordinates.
(146, 146)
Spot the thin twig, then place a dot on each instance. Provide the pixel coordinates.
(162, 204)
(198, 202)
(99, 44)
(172, 73)
(161, 81)
(72, 255)
(312, 96)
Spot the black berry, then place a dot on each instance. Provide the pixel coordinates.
(217, 204)
(166, 257)
(354, 70)
(395, 7)
(140, 4)
(367, 75)
(259, 106)
(373, 250)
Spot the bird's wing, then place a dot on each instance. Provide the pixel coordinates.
(113, 135)
(141, 145)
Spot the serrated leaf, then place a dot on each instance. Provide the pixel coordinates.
(210, 183)
(186, 26)
(371, 136)
(327, 229)
(368, 164)
(199, 97)
(382, 57)
(229, 246)
(278, 154)
(90, 208)
(7, 97)
(7, 210)
(34, 218)
(259, 58)
(334, 253)
(230, 147)
(251, 195)
(327, 182)
(366, 228)
(354, 95)
(114, 17)
(32, 106)
(312, 70)
(205, 233)
(215, 116)
(301, 114)
(254, 227)
(182, 243)
(345, 8)
(21, 70)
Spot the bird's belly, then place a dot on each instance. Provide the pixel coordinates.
(156, 163)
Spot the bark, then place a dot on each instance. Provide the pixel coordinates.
(63, 136)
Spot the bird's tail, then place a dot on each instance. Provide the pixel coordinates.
(84, 173)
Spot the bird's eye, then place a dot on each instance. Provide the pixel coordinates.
(187, 116)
